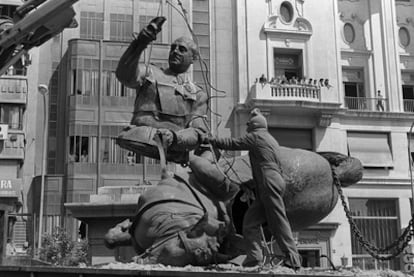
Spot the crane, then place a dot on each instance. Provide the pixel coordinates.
(33, 23)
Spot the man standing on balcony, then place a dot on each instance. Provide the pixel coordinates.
(168, 103)
(380, 101)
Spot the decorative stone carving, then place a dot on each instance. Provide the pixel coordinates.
(325, 120)
(300, 26)
(353, 17)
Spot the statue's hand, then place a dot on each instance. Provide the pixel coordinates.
(153, 28)
(166, 136)
(248, 194)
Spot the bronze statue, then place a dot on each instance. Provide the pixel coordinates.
(167, 103)
(185, 218)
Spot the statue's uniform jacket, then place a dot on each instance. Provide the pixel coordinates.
(168, 102)
(269, 206)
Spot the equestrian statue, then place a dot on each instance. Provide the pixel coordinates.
(186, 218)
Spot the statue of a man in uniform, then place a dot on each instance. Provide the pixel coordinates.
(167, 103)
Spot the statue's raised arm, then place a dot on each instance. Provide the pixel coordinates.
(129, 72)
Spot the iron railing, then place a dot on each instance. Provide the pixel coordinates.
(409, 105)
(366, 104)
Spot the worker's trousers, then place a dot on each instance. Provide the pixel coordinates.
(269, 207)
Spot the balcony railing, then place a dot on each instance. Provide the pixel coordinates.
(295, 91)
(12, 147)
(111, 101)
(409, 105)
(285, 92)
(77, 168)
(366, 104)
(83, 100)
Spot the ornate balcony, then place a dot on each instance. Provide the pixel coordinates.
(285, 92)
(294, 99)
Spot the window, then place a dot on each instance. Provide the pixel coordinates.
(11, 115)
(354, 89)
(349, 33)
(372, 149)
(85, 82)
(121, 27)
(112, 87)
(287, 64)
(404, 36)
(91, 25)
(82, 149)
(377, 219)
(7, 10)
(286, 12)
(113, 153)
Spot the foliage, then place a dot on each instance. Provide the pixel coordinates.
(58, 249)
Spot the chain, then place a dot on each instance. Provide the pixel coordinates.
(395, 247)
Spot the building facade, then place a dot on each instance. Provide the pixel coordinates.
(338, 78)
(19, 107)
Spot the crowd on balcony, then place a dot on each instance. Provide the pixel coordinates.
(283, 80)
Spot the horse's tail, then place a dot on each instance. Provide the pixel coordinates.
(348, 169)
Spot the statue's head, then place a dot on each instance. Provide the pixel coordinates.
(256, 121)
(183, 53)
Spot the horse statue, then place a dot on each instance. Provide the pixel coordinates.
(185, 218)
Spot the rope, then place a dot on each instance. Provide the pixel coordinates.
(151, 44)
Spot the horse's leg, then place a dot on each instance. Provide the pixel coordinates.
(212, 178)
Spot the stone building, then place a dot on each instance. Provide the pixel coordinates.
(324, 63)
(329, 59)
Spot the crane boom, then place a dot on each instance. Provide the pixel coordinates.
(34, 23)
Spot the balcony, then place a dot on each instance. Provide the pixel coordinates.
(292, 99)
(153, 171)
(409, 105)
(84, 109)
(13, 146)
(285, 92)
(13, 89)
(365, 104)
(84, 100)
(110, 101)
